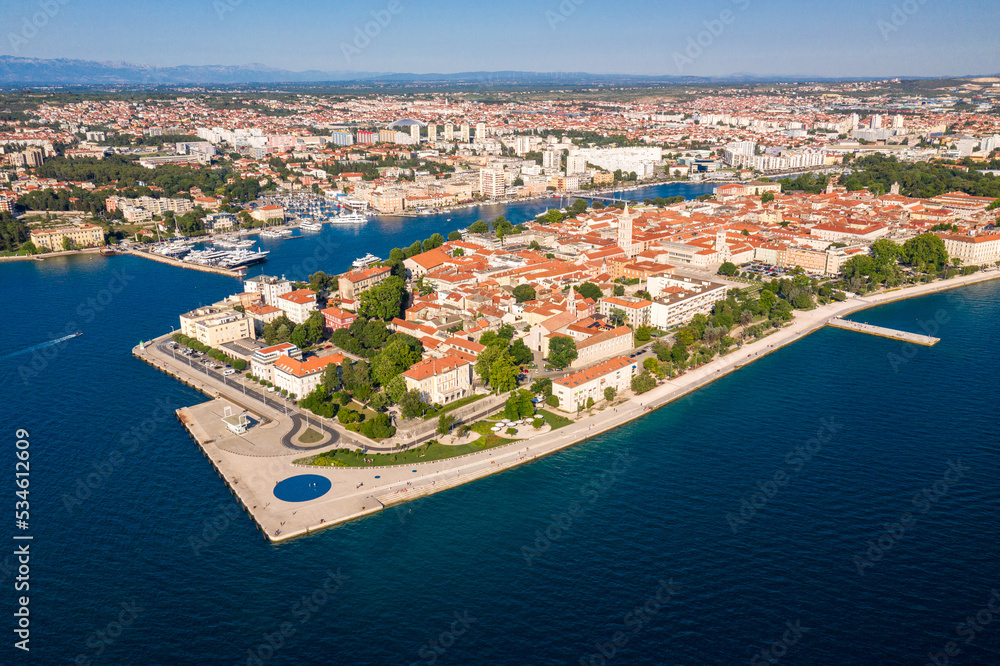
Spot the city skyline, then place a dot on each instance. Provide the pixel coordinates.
(852, 39)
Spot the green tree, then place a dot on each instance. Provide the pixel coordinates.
(643, 382)
(524, 292)
(552, 401)
(455, 236)
(520, 353)
(503, 373)
(925, 252)
(445, 422)
(562, 351)
(886, 252)
(479, 227)
(411, 405)
(394, 359)
(609, 393)
(643, 333)
(543, 386)
(396, 389)
(590, 290)
(617, 316)
(767, 197)
(727, 268)
(385, 300)
(519, 405)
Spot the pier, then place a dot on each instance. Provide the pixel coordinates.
(915, 338)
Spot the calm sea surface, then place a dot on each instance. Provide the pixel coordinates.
(834, 503)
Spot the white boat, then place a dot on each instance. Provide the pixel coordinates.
(234, 243)
(349, 218)
(241, 258)
(311, 226)
(366, 260)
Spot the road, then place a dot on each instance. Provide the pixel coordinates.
(263, 396)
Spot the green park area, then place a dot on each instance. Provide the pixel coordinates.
(428, 452)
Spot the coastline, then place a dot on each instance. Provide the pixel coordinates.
(377, 488)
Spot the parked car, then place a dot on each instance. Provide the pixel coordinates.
(228, 372)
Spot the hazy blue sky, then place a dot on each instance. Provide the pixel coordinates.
(850, 38)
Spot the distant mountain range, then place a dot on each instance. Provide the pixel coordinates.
(15, 71)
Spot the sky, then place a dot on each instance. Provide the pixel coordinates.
(853, 38)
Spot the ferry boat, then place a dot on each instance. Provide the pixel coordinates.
(353, 217)
(366, 261)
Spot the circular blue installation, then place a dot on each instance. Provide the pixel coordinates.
(302, 488)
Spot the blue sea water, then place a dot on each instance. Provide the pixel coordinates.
(788, 494)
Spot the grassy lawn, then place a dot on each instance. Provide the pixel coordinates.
(454, 405)
(357, 407)
(310, 436)
(554, 420)
(423, 453)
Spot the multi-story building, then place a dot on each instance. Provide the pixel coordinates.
(352, 284)
(214, 326)
(262, 361)
(574, 390)
(492, 182)
(298, 305)
(677, 299)
(604, 345)
(440, 380)
(637, 310)
(269, 287)
(262, 315)
(301, 376)
(973, 250)
(334, 318)
(84, 235)
(269, 213)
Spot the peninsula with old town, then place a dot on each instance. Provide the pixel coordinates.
(334, 395)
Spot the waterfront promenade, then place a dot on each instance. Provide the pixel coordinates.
(358, 491)
(880, 331)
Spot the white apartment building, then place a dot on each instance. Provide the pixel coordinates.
(262, 361)
(298, 305)
(676, 300)
(575, 389)
(270, 288)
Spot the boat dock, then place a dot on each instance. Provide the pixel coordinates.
(915, 338)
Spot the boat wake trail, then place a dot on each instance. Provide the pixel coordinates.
(41, 345)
